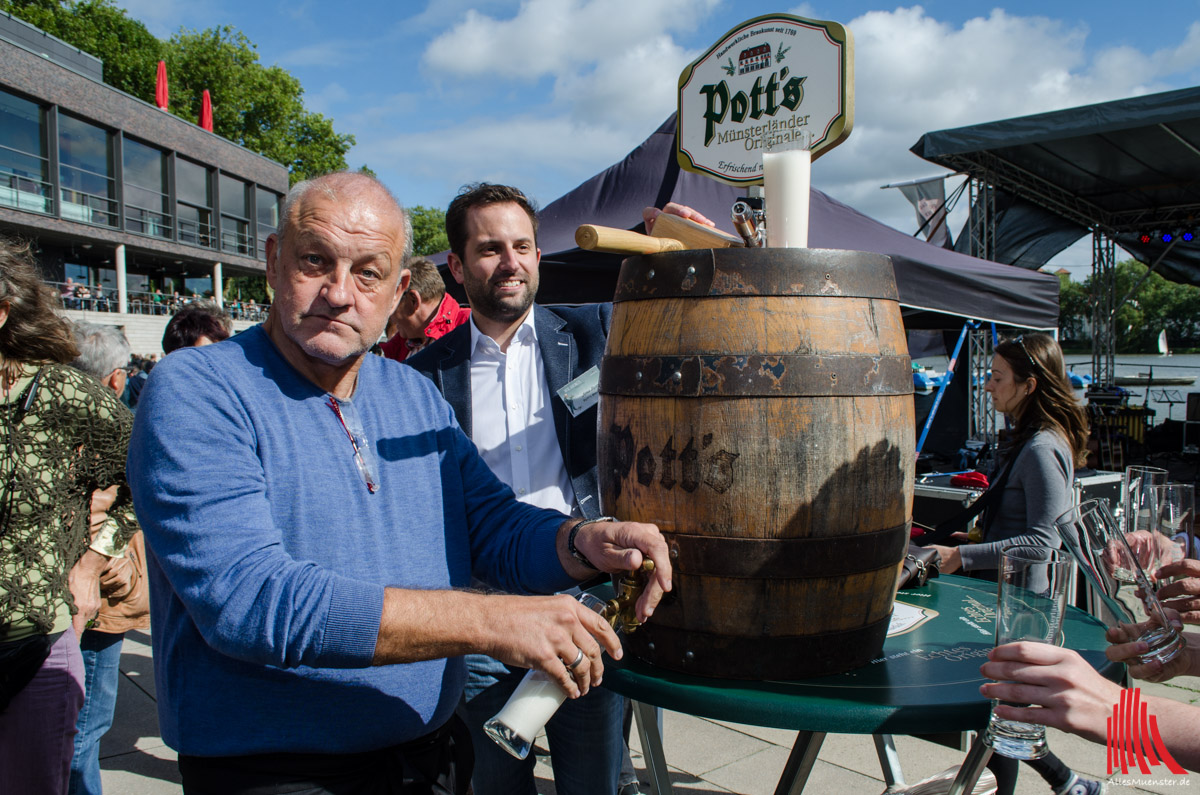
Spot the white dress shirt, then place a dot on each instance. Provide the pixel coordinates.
(511, 420)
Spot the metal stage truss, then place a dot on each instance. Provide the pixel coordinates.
(1126, 172)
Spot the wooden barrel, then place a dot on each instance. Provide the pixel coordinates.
(756, 404)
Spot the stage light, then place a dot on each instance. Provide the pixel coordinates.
(1167, 237)
(1188, 237)
(1144, 237)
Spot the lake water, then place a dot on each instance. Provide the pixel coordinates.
(1132, 365)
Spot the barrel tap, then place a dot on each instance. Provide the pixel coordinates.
(621, 610)
(748, 221)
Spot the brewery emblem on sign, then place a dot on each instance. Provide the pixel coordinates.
(772, 79)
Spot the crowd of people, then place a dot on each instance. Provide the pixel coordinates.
(348, 564)
(95, 298)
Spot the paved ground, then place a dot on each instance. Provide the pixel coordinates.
(705, 756)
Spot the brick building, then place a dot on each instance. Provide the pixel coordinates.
(117, 194)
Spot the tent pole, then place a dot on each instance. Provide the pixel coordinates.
(937, 401)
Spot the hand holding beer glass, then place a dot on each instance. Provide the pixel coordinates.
(1174, 515)
(1030, 602)
(1094, 538)
(534, 702)
(1136, 512)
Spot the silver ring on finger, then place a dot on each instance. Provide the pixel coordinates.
(571, 666)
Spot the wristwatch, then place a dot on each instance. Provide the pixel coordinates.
(575, 553)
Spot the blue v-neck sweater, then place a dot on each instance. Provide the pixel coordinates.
(269, 556)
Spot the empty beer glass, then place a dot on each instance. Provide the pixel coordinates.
(1030, 601)
(1174, 507)
(1093, 537)
(1136, 511)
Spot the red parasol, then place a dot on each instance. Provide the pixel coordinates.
(206, 111)
(160, 87)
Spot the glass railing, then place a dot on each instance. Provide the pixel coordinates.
(88, 208)
(144, 221)
(196, 233)
(23, 192)
(237, 242)
(144, 302)
(90, 298)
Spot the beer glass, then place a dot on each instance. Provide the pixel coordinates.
(1174, 512)
(1136, 511)
(1093, 537)
(1030, 600)
(533, 703)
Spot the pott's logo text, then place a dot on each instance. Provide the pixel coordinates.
(742, 105)
(1133, 739)
(775, 79)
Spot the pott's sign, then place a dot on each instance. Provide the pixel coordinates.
(771, 79)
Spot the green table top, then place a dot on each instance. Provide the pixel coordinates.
(926, 680)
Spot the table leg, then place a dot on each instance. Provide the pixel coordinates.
(650, 732)
(889, 760)
(800, 763)
(972, 767)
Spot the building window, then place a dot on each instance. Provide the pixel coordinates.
(193, 206)
(267, 203)
(24, 161)
(85, 172)
(235, 216)
(147, 205)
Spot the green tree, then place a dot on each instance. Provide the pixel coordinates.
(429, 230)
(246, 288)
(1074, 309)
(257, 106)
(1152, 304)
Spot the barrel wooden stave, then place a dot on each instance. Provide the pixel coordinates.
(744, 485)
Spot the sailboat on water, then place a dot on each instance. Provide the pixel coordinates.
(1150, 379)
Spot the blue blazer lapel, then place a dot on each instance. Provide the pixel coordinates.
(454, 374)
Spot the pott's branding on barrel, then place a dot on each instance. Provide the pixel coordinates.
(770, 80)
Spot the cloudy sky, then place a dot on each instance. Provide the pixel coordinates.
(545, 93)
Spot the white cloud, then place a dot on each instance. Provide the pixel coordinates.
(635, 88)
(544, 93)
(546, 37)
(164, 18)
(324, 101)
(532, 152)
(396, 112)
(1185, 58)
(915, 74)
(439, 13)
(330, 54)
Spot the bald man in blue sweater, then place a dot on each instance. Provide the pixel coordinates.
(314, 516)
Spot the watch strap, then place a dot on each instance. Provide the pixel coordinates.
(574, 550)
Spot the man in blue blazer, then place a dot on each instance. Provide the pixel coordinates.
(501, 373)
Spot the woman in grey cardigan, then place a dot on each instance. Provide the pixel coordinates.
(1029, 385)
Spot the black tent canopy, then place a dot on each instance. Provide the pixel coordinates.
(1123, 168)
(937, 287)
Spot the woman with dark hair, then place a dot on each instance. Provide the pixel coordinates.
(1032, 485)
(64, 437)
(1036, 466)
(200, 323)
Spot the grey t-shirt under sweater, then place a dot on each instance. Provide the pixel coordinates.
(1039, 490)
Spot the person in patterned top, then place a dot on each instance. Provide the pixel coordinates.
(62, 442)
